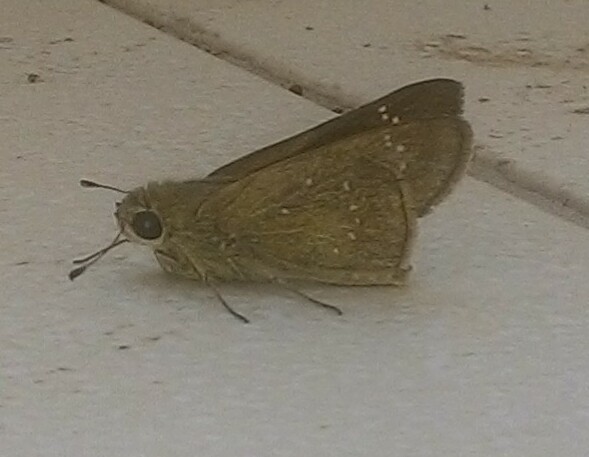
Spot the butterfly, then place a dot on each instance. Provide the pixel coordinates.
(335, 204)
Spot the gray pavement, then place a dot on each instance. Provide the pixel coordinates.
(484, 353)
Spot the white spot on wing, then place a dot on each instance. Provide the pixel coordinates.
(346, 186)
(309, 182)
(351, 236)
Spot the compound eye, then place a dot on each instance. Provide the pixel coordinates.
(147, 225)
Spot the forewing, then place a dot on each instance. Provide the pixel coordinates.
(435, 152)
(333, 215)
(432, 109)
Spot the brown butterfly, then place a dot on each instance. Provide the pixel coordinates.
(335, 204)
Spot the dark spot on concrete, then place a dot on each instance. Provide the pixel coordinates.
(581, 110)
(296, 89)
(33, 78)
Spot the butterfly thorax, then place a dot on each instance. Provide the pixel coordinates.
(168, 218)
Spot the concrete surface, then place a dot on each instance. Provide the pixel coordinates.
(485, 353)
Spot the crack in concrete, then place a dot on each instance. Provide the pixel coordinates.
(486, 166)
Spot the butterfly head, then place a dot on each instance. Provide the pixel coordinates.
(138, 220)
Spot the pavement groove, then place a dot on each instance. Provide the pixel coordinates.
(487, 165)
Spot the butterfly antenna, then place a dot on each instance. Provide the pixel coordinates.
(93, 258)
(88, 183)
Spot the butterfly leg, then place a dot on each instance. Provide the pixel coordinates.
(235, 314)
(333, 308)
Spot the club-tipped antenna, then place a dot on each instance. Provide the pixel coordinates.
(93, 258)
(88, 183)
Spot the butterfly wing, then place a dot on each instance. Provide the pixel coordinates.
(427, 112)
(333, 215)
(435, 152)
